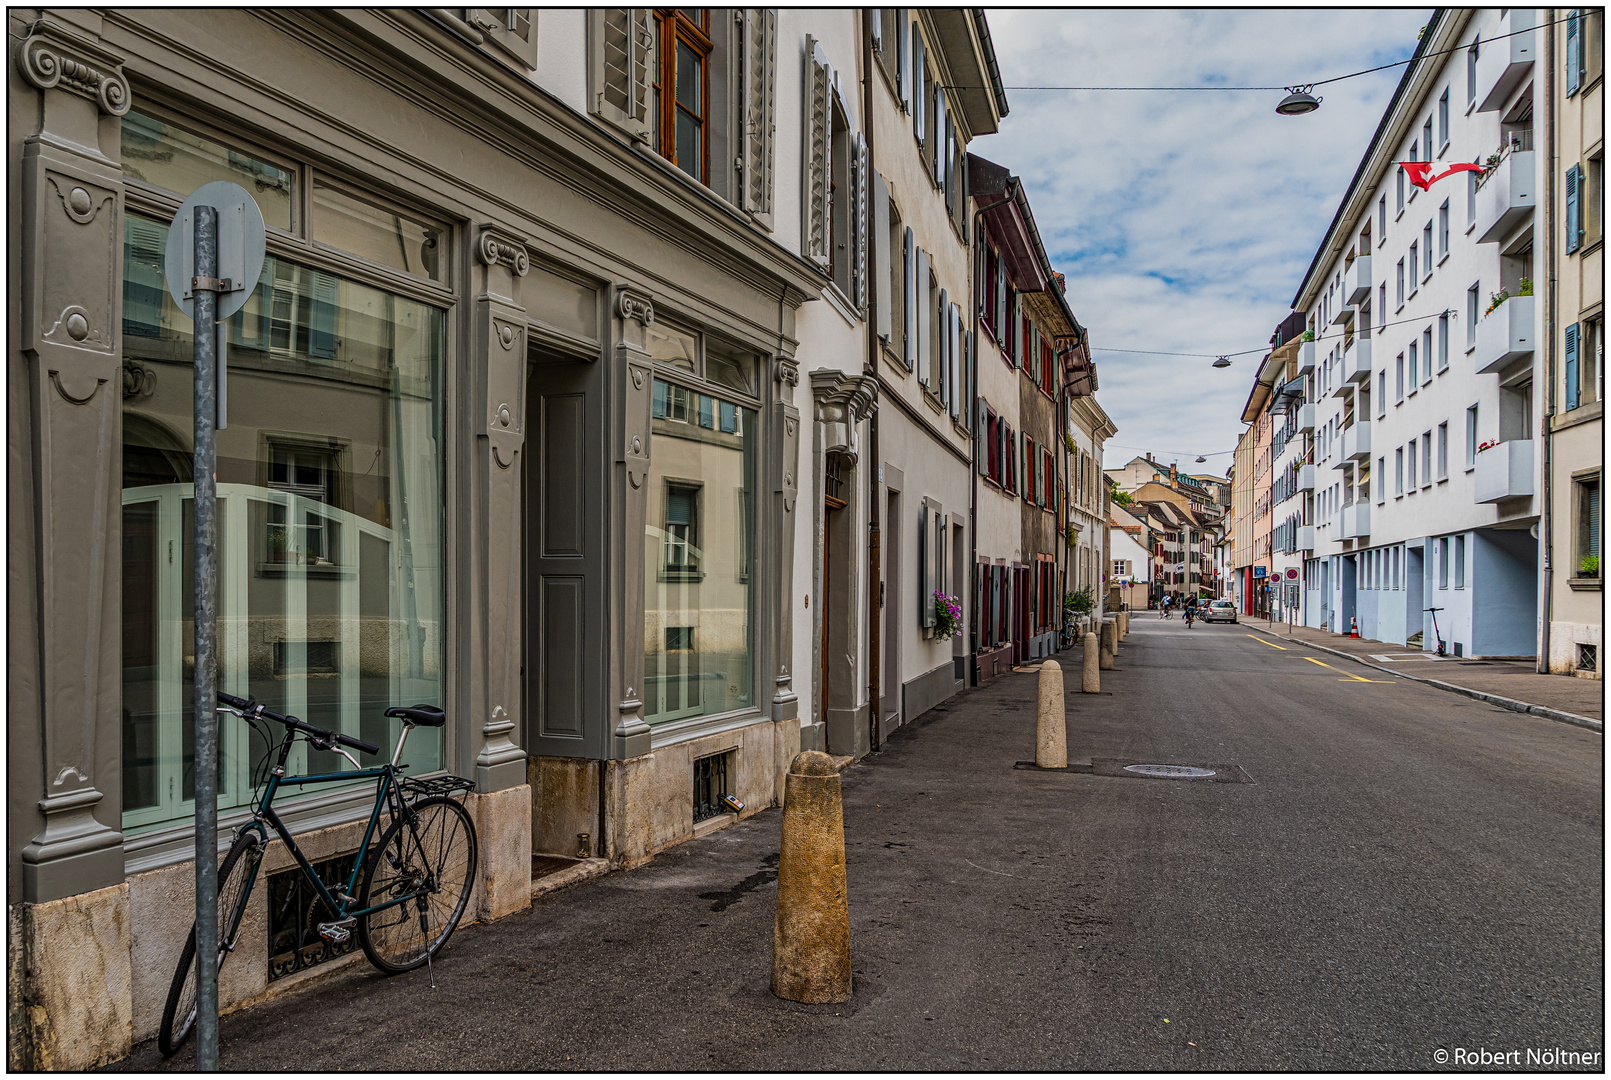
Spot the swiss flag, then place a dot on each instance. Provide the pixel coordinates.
(1423, 174)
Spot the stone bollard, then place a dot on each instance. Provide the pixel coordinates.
(1110, 643)
(1091, 679)
(1051, 730)
(811, 933)
(1124, 625)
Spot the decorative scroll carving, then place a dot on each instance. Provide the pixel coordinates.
(632, 306)
(54, 57)
(497, 248)
(787, 372)
(842, 401)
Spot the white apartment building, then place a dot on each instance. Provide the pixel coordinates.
(1424, 502)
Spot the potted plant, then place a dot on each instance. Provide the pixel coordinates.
(1489, 445)
(1588, 566)
(1308, 335)
(1495, 299)
(947, 616)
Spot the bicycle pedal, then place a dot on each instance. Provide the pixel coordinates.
(337, 933)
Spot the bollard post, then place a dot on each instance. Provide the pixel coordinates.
(1091, 678)
(1110, 644)
(811, 932)
(1051, 728)
(1124, 625)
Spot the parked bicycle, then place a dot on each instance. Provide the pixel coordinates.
(407, 891)
(1070, 633)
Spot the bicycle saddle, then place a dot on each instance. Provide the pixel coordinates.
(423, 715)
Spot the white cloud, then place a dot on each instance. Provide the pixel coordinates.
(1185, 221)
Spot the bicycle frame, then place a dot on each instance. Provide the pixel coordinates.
(387, 786)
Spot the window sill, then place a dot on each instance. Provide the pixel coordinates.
(1399, 215)
(1583, 584)
(1444, 259)
(840, 302)
(1443, 151)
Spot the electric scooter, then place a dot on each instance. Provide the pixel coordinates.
(1435, 631)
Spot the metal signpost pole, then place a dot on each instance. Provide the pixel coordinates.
(205, 339)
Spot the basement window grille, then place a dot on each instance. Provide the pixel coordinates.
(1588, 657)
(710, 784)
(295, 912)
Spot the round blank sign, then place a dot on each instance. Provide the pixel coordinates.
(241, 246)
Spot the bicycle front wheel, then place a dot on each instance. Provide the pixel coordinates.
(235, 878)
(430, 860)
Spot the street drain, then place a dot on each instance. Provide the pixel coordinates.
(1171, 772)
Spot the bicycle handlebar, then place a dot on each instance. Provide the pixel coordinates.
(318, 735)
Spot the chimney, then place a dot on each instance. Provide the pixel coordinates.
(1174, 475)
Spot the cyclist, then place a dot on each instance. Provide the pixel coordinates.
(1191, 609)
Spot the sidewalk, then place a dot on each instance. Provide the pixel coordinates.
(1510, 683)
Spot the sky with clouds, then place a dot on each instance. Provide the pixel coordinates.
(1185, 221)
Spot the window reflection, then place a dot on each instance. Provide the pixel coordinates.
(166, 157)
(699, 602)
(330, 522)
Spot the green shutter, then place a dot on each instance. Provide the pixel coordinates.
(1574, 52)
(1573, 391)
(1574, 215)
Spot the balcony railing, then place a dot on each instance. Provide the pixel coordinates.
(1506, 197)
(1504, 471)
(1506, 335)
(1504, 61)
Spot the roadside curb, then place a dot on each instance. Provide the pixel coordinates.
(1493, 699)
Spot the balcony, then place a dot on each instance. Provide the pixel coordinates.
(1506, 197)
(1306, 358)
(1306, 418)
(1504, 62)
(1355, 520)
(1306, 478)
(1356, 442)
(1343, 314)
(1356, 281)
(1505, 471)
(1506, 335)
(1306, 537)
(1356, 361)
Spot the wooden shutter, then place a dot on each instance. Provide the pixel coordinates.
(512, 30)
(998, 320)
(981, 446)
(937, 151)
(925, 564)
(919, 85)
(953, 371)
(1574, 52)
(859, 220)
(1574, 213)
(881, 256)
(942, 329)
(942, 555)
(875, 27)
(621, 41)
(904, 58)
(925, 317)
(758, 56)
(909, 279)
(818, 155)
(1574, 392)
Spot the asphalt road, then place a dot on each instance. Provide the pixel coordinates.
(1405, 871)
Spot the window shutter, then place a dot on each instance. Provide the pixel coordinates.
(513, 30)
(904, 57)
(322, 317)
(909, 277)
(925, 566)
(981, 445)
(925, 318)
(875, 23)
(919, 85)
(818, 155)
(1574, 214)
(881, 255)
(622, 46)
(758, 53)
(1574, 52)
(937, 151)
(1017, 331)
(999, 322)
(943, 329)
(858, 211)
(962, 196)
(942, 549)
(955, 334)
(1574, 393)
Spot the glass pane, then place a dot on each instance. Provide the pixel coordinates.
(689, 157)
(689, 70)
(732, 373)
(162, 155)
(331, 589)
(375, 234)
(699, 601)
(671, 346)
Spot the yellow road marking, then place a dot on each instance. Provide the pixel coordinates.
(1346, 677)
(1271, 644)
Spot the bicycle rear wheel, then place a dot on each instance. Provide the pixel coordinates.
(235, 878)
(435, 858)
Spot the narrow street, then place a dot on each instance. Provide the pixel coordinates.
(1406, 870)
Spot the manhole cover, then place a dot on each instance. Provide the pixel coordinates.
(1172, 772)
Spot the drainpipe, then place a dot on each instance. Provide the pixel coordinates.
(875, 591)
(1546, 532)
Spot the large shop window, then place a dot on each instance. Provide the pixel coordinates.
(699, 549)
(330, 519)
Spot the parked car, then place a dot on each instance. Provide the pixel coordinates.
(1220, 611)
